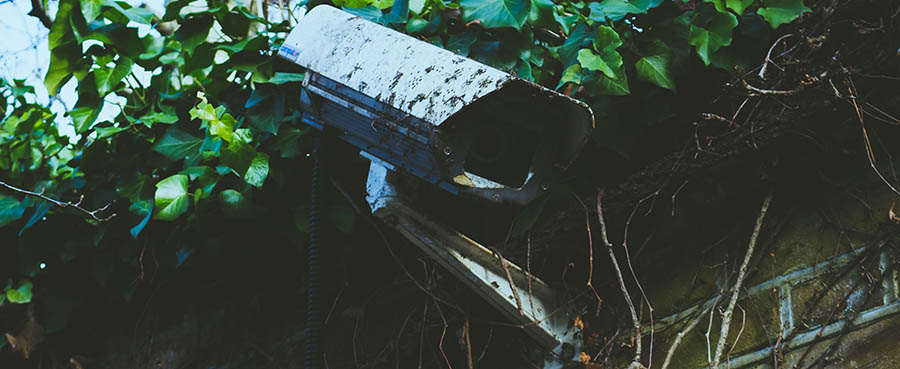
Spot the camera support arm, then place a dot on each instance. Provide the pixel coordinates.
(522, 297)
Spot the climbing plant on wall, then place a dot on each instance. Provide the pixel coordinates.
(208, 134)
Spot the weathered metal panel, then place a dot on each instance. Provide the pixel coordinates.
(415, 77)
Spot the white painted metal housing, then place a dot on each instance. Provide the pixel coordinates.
(380, 75)
(413, 76)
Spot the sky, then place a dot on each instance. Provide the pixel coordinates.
(24, 54)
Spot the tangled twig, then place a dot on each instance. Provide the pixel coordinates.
(63, 204)
(636, 362)
(761, 91)
(762, 71)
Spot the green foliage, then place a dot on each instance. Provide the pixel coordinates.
(655, 69)
(709, 39)
(18, 295)
(208, 133)
(778, 12)
(10, 210)
(608, 61)
(171, 199)
(496, 13)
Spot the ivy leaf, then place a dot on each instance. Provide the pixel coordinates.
(369, 13)
(125, 39)
(460, 43)
(708, 41)
(645, 5)
(39, 211)
(265, 108)
(719, 4)
(496, 13)
(606, 63)
(65, 51)
(399, 11)
(107, 131)
(655, 69)
(91, 9)
(573, 74)
(20, 295)
(611, 86)
(135, 188)
(203, 111)
(193, 31)
(613, 10)
(238, 156)
(177, 144)
(235, 205)
(542, 14)
(10, 210)
(383, 4)
(417, 25)
(158, 117)
(778, 12)
(281, 78)
(135, 14)
(354, 4)
(83, 117)
(223, 127)
(524, 71)
(738, 5)
(136, 230)
(568, 51)
(207, 178)
(171, 199)
(235, 25)
(287, 143)
(258, 170)
(606, 39)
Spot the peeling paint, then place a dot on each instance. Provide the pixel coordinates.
(390, 63)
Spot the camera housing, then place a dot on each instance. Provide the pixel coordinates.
(452, 121)
(471, 129)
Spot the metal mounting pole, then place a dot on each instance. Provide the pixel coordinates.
(523, 298)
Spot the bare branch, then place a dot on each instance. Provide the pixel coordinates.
(66, 204)
(636, 362)
(735, 291)
(768, 92)
(685, 331)
(512, 285)
(590, 278)
(762, 71)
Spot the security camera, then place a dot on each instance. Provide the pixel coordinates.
(466, 127)
(452, 121)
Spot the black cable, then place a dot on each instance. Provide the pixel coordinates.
(314, 313)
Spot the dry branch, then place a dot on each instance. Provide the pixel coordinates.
(685, 331)
(66, 204)
(636, 362)
(735, 291)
